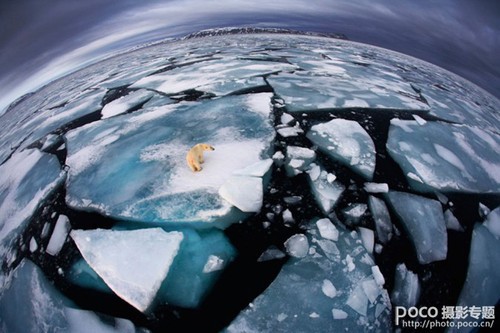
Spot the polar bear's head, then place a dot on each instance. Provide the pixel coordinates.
(206, 146)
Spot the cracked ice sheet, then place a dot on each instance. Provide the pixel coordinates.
(26, 180)
(148, 180)
(125, 103)
(124, 260)
(212, 76)
(445, 157)
(299, 291)
(304, 91)
(31, 304)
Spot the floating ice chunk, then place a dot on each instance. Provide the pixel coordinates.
(358, 301)
(59, 235)
(483, 210)
(349, 261)
(481, 287)
(329, 289)
(278, 156)
(347, 142)
(245, 193)
(493, 222)
(377, 275)
(33, 245)
(297, 246)
(124, 260)
(31, 304)
(368, 238)
(272, 253)
(406, 287)
(314, 315)
(298, 159)
(424, 221)
(51, 141)
(26, 179)
(286, 118)
(213, 264)
(126, 103)
(258, 169)
(376, 187)
(382, 219)
(327, 229)
(325, 193)
(446, 157)
(339, 314)
(452, 222)
(287, 216)
(287, 131)
(355, 212)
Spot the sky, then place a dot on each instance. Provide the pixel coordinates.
(41, 40)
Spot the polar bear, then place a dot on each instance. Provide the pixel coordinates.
(194, 156)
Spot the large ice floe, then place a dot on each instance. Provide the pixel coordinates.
(342, 174)
(134, 168)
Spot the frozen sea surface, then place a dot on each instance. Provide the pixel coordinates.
(342, 174)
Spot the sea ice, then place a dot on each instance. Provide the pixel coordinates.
(245, 193)
(126, 103)
(347, 142)
(327, 229)
(424, 222)
(26, 179)
(298, 159)
(493, 222)
(406, 287)
(315, 284)
(124, 260)
(147, 180)
(59, 235)
(446, 157)
(382, 219)
(31, 304)
(452, 222)
(481, 287)
(376, 188)
(297, 246)
(325, 193)
(354, 212)
(368, 238)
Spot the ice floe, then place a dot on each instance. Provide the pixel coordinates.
(326, 193)
(124, 260)
(59, 235)
(126, 103)
(148, 167)
(424, 222)
(406, 290)
(446, 157)
(347, 142)
(31, 304)
(382, 219)
(26, 179)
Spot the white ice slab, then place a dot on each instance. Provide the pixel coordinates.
(347, 142)
(59, 235)
(325, 193)
(132, 263)
(245, 193)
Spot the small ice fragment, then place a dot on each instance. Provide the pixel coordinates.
(377, 275)
(451, 221)
(272, 253)
(33, 245)
(287, 216)
(350, 263)
(483, 210)
(297, 246)
(213, 264)
(281, 317)
(327, 229)
(493, 222)
(59, 235)
(286, 119)
(278, 156)
(368, 238)
(339, 314)
(358, 300)
(314, 315)
(378, 248)
(45, 230)
(329, 289)
(376, 187)
(371, 289)
(330, 177)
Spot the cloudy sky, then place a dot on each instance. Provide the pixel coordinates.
(44, 39)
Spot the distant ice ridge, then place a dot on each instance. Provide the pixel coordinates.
(147, 178)
(26, 179)
(333, 280)
(31, 304)
(446, 157)
(347, 142)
